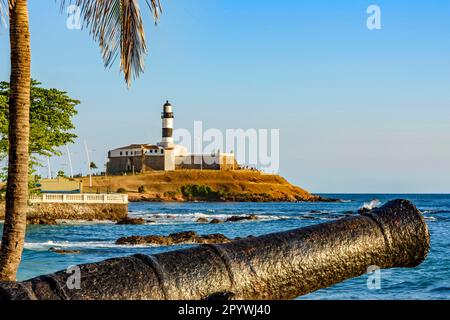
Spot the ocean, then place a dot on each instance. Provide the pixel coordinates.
(96, 240)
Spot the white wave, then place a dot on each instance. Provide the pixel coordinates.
(44, 246)
(435, 211)
(170, 218)
(84, 222)
(375, 203)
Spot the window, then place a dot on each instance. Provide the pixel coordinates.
(162, 151)
(126, 153)
(120, 152)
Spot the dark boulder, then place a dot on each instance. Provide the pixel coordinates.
(213, 238)
(187, 237)
(131, 221)
(41, 221)
(364, 210)
(62, 251)
(251, 217)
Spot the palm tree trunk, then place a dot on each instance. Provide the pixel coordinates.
(19, 128)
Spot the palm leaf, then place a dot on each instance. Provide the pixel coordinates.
(2, 11)
(5, 5)
(118, 28)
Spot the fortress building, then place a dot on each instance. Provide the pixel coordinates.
(165, 155)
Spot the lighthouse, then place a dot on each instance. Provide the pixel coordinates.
(164, 155)
(167, 125)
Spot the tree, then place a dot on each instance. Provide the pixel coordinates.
(61, 174)
(118, 28)
(51, 113)
(92, 166)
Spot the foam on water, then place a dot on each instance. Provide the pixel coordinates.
(171, 218)
(45, 246)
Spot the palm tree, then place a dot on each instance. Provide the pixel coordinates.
(118, 28)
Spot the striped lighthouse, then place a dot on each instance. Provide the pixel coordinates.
(167, 125)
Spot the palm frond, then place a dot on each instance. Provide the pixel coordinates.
(118, 28)
(2, 10)
(5, 5)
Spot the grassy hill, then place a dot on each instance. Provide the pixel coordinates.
(188, 185)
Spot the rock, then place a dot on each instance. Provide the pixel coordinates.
(213, 238)
(364, 210)
(150, 221)
(215, 221)
(187, 237)
(61, 251)
(315, 211)
(132, 221)
(41, 221)
(251, 217)
(138, 240)
(202, 220)
(183, 237)
(239, 238)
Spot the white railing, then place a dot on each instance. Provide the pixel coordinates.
(79, 198)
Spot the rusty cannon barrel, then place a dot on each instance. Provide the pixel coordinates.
(282, 265)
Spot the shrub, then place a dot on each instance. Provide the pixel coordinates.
(194, 191)
(142, 189)
(121, 190)
(223, 194)
(170, 193)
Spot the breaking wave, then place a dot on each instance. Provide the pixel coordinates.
(44, 246)
(171, 218)
(375, 203)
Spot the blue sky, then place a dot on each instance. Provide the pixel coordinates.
(358, 110)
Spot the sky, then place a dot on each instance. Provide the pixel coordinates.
(359, 110)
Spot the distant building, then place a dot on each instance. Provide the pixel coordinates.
(165, 155)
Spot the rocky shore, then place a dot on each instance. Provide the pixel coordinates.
(49, 213)
(205, 185)
(186, 237)
(239, 197)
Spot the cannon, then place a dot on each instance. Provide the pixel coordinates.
(281, 265)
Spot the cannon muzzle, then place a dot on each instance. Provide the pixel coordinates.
(281, 265)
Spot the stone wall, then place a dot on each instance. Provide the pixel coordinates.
(154, 163)
(120, 165)
(193, 162)
(74, 211)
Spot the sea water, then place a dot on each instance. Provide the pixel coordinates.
(96, 240)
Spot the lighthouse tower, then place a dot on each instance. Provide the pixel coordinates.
(167, 125)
